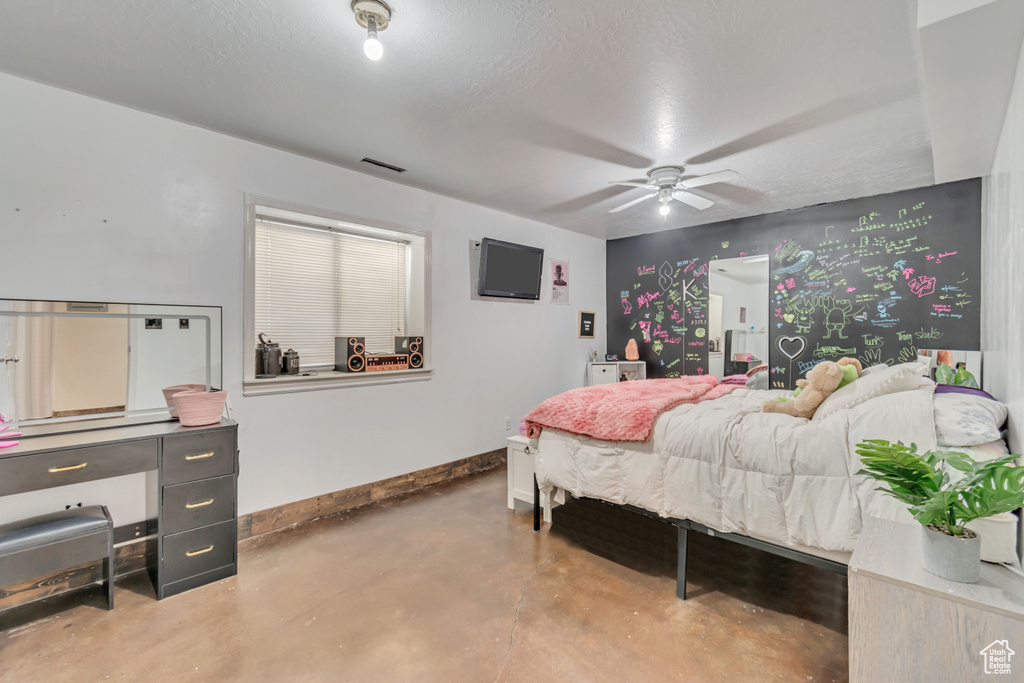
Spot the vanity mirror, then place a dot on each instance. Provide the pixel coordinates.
(64, 362)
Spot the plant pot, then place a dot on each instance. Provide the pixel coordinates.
(951, 557)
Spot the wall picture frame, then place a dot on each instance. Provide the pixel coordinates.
(587, 324)
(559, 282)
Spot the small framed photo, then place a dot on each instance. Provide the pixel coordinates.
(611, 356)
(588, 320)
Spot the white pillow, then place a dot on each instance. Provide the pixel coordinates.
(868, 371)
(965, 420)
(879, 382)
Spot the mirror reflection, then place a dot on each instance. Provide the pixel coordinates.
(72, 360)
(738, 315)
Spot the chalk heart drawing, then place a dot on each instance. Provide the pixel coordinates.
(789, 317)
(792, 347)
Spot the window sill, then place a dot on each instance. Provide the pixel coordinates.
(330, 379)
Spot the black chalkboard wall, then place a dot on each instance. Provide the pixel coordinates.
(875, 278)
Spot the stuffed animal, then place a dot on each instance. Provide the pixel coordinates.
(822, 380)
(851, 370)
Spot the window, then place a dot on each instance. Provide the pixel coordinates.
(314, 276)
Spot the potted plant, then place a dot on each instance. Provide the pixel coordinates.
(944, 374)
(943, 506)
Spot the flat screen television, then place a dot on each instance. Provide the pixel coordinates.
(508, 270)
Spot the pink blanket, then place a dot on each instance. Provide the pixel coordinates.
(624, 411)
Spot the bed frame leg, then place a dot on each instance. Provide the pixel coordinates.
(681, 569)
(536, 504)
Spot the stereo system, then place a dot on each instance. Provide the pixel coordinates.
(350, 355)
(414, 347)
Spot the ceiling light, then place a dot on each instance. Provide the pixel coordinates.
(664, 210)
(373, 15)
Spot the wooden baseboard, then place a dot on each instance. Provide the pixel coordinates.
(265, 521)
(132, 557)
(128, 558)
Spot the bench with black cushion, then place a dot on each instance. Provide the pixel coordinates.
(59, 540)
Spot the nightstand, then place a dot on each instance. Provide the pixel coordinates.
(909, 625)
(520, 477)
(612, 371)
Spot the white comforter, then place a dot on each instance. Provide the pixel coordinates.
(727, 465)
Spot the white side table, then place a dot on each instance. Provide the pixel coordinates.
(909, 625)
(611, 372)
(520, 477)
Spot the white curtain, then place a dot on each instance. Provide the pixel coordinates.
(33, 373)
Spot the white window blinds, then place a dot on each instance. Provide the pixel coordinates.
(314, 284)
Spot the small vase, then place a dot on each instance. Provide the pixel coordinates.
(951, 557)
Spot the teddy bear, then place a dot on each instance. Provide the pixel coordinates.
(852, 369)
(821, 381)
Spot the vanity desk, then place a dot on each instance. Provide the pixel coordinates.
(191, 487)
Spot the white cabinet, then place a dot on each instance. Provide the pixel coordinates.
(613, 371)
(520, 477)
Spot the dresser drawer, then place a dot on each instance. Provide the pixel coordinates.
(72, 466)
(197, 551)
(198, 503)
(604, 373)
(189, 457)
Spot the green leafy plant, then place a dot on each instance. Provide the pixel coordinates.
(923, 485)
(960, 377)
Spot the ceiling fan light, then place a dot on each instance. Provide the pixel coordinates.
(664, 210)
(372, 47)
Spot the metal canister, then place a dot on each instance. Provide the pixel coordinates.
(290, 362)
(268, 358)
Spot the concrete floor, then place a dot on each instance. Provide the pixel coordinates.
(448, 585)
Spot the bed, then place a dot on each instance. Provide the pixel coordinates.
(783, 484)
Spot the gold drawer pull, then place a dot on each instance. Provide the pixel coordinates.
(54, 470)
(193, 506)
(201, 456)
(193, 553)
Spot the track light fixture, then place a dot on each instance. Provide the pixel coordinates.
(373, 15)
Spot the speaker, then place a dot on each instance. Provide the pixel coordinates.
(412, 346)
(350, 354)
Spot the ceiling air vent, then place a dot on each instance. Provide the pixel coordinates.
(381, 164)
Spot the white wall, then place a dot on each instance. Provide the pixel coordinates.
(1002, 314)
(100, 202)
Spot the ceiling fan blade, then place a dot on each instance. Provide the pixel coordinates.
(719, 177)
(696, 201)
(635, 201)
(632, 184)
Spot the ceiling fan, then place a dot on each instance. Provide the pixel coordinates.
(667, 183)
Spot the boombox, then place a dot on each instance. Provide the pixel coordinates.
(350, 355)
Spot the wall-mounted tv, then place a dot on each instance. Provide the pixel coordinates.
(510, 270)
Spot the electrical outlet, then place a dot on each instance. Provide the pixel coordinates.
(508, 423)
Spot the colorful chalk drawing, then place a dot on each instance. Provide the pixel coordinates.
(665, 273)
(893, 274)
(804, 259)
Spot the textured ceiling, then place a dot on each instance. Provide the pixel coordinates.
(530, 107)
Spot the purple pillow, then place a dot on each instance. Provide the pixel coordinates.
(953, 389)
